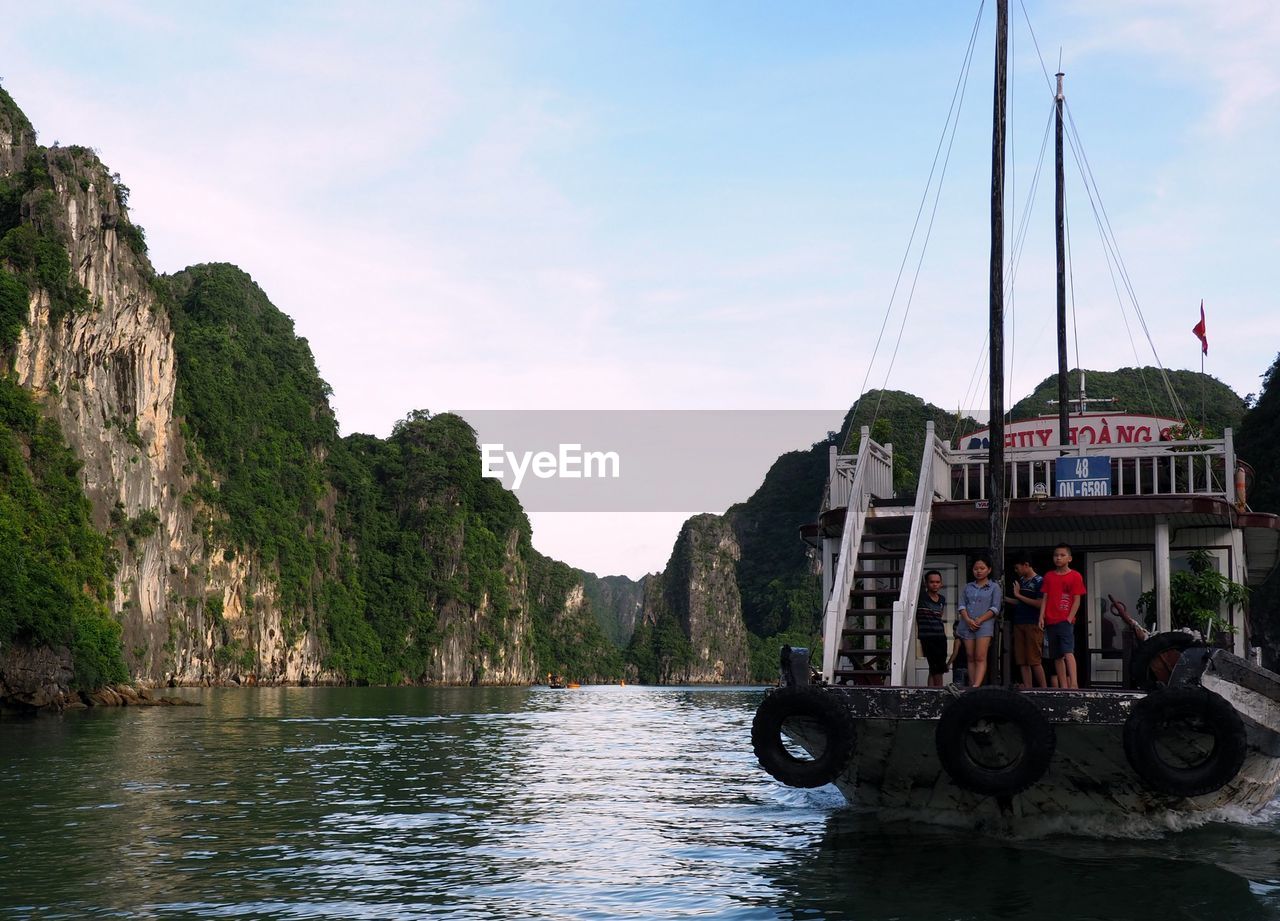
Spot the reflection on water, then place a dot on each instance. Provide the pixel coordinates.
(522, 803)
(866, 869)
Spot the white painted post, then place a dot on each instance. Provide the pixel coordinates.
(1164, 610)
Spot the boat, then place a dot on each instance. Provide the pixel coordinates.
(1158, 729)
(556, 682)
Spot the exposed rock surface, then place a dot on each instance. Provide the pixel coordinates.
(617, 602)
(699, 588)
(193, 609)
(34, 678)
(108, 376)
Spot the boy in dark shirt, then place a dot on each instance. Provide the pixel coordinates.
(1028, 623)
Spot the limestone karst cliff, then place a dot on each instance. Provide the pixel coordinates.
(691, 628)
(247, 542)
(96, 350)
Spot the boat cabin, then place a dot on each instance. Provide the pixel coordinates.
(1131, 508)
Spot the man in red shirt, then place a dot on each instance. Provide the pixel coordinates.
(1062, 588)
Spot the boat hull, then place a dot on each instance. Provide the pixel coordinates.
(895, 768)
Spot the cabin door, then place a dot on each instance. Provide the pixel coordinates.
(1113, 579)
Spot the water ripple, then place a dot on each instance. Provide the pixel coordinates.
(513, 803)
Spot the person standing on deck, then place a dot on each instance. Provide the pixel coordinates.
(980, 602)
(1028, 623)
(930, 627)
(1063, 588)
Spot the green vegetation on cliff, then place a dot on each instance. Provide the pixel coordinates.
(660, 651)
(382, 541)
(253, 403)
(33, 247)
(1201, 398)
(567, 639)
(899, 419)
(1259, 443)
(54, 567)
(425, 530)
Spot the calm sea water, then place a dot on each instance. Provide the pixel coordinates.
(528, 803)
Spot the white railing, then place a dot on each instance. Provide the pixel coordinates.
(840, 483)
(1196, 467)
(873, 466)
(934, 471)
(877, 475)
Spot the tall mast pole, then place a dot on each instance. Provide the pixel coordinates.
(995, 466)
(1064, 427)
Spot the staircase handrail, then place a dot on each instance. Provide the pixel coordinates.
(855, 517)
(934, 464)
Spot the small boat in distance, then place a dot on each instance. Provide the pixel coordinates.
(1136, 738)
(555, 681)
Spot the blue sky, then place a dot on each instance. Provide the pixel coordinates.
(671, 205)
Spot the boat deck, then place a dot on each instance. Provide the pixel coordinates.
(1098, 706)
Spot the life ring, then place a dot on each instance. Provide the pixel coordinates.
(1154, 722)
(1155, 657)
(813, 704)
(977, 748)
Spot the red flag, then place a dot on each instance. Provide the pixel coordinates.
(1198, 329)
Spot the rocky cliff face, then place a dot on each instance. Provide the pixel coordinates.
(699, 591)
(617, 602)
(191, 611)
(487, 643)
(402, 565)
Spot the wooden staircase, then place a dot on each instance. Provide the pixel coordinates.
(879, 563)
(866, 638)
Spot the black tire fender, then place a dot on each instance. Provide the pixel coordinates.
(1152, 663)
(963, 721)
(818, 705)
(1201, 708)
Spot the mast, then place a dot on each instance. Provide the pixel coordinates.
(1064, 429)
(995, 465)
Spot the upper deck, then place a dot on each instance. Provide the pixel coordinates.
(1201, 467)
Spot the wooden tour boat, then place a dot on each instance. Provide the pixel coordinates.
(1160, 728)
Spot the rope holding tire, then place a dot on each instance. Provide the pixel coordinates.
(973, 745)
(1194, 710)
(818, 706)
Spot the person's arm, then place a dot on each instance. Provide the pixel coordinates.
(1141, 632)
(1077, 593)
(993, 611)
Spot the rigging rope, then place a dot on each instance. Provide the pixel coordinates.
(1112, 249)
(1109, 246)
(952, 122)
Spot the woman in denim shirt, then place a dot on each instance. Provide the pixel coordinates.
(980, 602)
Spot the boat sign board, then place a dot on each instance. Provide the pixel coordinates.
(1080, 477)
(1087, 429)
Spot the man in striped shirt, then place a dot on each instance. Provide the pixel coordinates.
(930, 627)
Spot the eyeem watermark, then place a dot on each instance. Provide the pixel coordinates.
(647, 460)
(567, 462)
